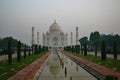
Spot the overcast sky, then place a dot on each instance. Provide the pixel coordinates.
(18, 16)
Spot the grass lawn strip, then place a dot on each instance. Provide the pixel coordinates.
(28, 73)
(9, 70)
(110, 74)
(109, 63)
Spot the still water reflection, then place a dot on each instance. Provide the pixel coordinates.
(60, 67)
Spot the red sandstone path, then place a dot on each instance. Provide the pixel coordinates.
(98, 68)
(28, 72)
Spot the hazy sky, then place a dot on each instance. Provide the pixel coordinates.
(18, 16)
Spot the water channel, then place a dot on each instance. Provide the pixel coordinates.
(60, 67)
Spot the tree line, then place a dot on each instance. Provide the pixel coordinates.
(106, 44)
(4, 45)
(34, 49)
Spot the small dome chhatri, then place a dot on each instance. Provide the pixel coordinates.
(55, 27)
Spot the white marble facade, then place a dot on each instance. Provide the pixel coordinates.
(55, 38)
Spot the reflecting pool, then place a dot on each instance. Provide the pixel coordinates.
(60, 67)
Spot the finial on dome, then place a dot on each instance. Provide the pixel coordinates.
(54, 20)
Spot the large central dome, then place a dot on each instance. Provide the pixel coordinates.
(55, 27)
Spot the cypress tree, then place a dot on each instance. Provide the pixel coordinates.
(9, 52)
(96, 49)
(114, 50)
(85, 49)
(39, 48)
(47, 48)
(18, 51)
(103, 51)
(25, 51)
(72, 48)
(81, 50)
(76, 48)
(35, 49)
(69, 48)
(29, 52)
(43, 48)
(32, 49)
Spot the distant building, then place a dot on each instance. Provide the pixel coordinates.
(55, 37)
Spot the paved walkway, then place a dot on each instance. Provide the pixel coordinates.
(29, 72)
(96, 67)
(108, 55)
(5, 57)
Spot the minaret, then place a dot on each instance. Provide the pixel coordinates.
(77, 41)
(38, 38)
(71, 38)
(32, 42)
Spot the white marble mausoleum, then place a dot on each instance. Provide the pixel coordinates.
(55, 38)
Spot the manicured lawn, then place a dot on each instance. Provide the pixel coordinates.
(7, 71)
(109, 63)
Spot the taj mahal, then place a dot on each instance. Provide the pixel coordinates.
(55, 38)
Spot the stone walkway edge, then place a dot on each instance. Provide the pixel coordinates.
(103, 70)
(29, 71)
